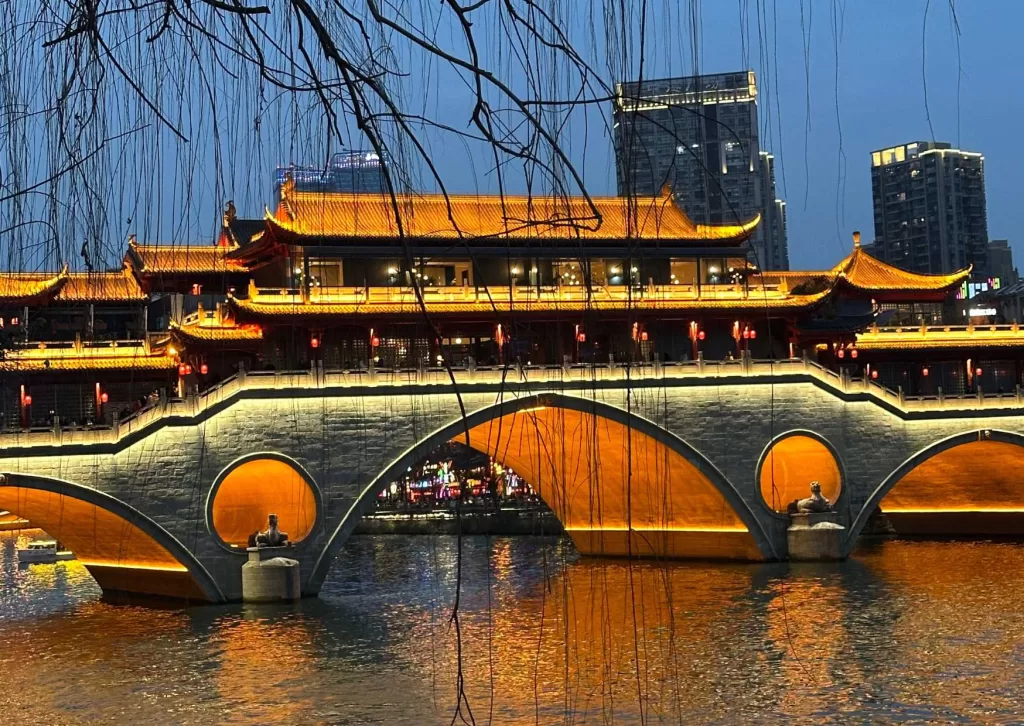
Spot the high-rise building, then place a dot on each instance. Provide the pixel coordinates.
(1000, 262)
(929, 203)
(358, 172)
(699, 135)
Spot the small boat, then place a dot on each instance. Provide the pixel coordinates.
(45, 551)
(12, 522)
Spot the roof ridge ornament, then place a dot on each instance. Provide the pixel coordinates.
(856, 239)
(287, 186)
(230, 213)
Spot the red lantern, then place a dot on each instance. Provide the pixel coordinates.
(753, 334)
(874, 374)
(643, 335)
(977, 372)
(28, 400)
(841, 353)
(924, 371)
(746, 333)
(314, 342)
(701, 335)
(581, 337)
(375, 341)
(204, 369)
(104, 397)
(853, 353)
(181, 369)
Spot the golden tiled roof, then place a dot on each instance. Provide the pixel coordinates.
(940, 337)
(864, 272)
(101, 287)
(172, 259)
(285, 306)
(25, 286)
(52, 358)
(434, 216)
(214, 333)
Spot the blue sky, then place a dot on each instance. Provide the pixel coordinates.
(168, 191)
(875, 99)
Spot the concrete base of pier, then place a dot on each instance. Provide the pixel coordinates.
(268, 576)
(815, 537)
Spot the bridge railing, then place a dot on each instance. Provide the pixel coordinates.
(773, 372)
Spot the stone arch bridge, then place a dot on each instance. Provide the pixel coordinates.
(685, 460)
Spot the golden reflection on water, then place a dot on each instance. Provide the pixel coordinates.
(920, 631)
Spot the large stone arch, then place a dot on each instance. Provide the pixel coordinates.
(647, 432)
(955, 498)
(123, 549)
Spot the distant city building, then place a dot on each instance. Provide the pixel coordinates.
(358, 172)
(1000, 262)
(929, 202)
(699, 135)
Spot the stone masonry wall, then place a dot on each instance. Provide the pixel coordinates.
(344, 440)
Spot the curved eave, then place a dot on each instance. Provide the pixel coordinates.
(108, 288)
(286, 229)
(731, 232)
(311, 310)
(206, 335)
(864, 273)
(39, 364)
(14, 290)
(901, 294)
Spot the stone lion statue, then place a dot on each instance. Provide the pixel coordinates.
(812, 504)
(271, 537)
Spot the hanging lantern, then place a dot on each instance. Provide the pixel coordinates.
(924, 371)
(977, 372)
(181, 369)
(188, 369)
(874, 375)
(314, 342)
(375, 341)
(853, 353)
(841, 353)
(746, 333)
(701, 335)
(643, 335)
(581, 337)
(753, 334)
(28, 400)
(204, 369)
(104, 398)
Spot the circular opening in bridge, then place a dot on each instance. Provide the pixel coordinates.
(789, 466)
(252, 488)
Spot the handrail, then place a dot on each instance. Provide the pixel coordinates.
(743, 369)
(524, 293)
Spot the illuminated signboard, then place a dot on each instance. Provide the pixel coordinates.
(970, 289)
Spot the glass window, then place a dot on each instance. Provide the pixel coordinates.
(325, 273)
(683, 272)
(712, 271)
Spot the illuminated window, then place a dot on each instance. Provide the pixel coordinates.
(791, 464)
(257, 487)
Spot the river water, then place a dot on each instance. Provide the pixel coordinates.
(909, 631)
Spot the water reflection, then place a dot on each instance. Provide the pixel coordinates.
(916, 631)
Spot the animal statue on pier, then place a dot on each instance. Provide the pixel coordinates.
(813, 504)
(271, 537)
